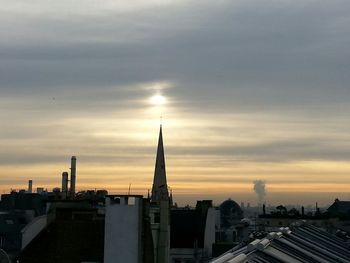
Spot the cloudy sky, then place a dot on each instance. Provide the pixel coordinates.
(254, 89)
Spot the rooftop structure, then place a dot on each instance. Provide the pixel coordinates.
(339, 208)
(75, 233)
(230, 212)
(299, 244)
(192, 233)
(128, 236)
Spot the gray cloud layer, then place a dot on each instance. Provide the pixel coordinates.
(286, 57)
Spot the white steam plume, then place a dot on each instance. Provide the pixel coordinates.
(260, 190)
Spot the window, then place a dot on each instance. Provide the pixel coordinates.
(131, 200)
(2, 241)
(157, 218)
(22, 220)
(9, 221)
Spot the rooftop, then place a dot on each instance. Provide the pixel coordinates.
(299, 244)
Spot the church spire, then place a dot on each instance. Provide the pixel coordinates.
(160, 187)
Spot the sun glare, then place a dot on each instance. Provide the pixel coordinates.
(158, 100)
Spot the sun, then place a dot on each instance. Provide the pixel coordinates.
(158, 100)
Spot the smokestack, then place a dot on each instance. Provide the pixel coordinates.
(260, 190)
(73, 174)
(64, 182)
(264, 209)
(30, 186)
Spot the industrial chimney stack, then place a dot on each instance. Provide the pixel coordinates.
(65, 183)
(30, 186)
(73, 174)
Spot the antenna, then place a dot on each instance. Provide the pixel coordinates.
(129, 189)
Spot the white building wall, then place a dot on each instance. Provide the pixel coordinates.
(155, 236)
(30, 231)
(209, 234)
(122, 232)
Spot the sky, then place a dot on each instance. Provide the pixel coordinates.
(254, 90)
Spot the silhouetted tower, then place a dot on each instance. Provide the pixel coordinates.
(171, 198)
(65, 182)
(160, 187)
(160, 197)
(30, 186)
(73, 174)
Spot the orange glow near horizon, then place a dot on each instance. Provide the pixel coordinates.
(203, 182)
(208, 155)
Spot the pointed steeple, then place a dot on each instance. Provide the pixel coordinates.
(160, 187)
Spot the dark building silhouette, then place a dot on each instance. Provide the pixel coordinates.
(11, 225)
(75, 234)
(24, 201)
(192, 233)
(339, 209)
(230, 213)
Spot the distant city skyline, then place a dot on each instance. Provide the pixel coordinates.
(247, 90)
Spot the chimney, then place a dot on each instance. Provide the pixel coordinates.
(73, 174)
(64, 182)
(30, 186)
